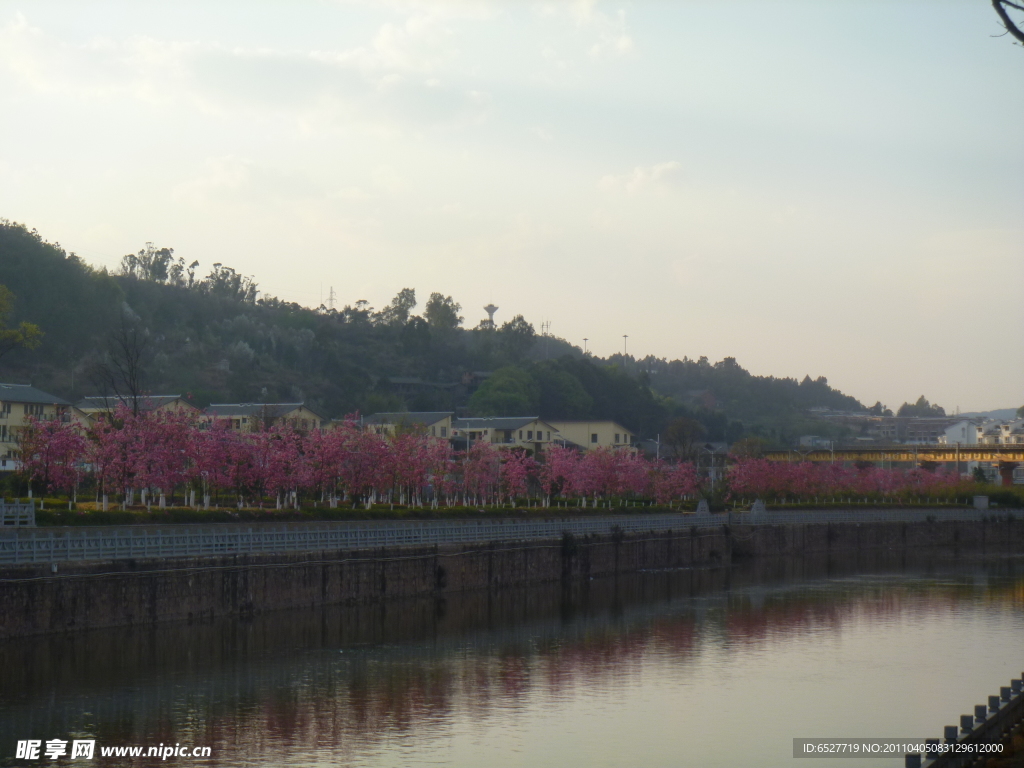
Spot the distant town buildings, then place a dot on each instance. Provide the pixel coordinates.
(529, 432)
(95, 408)
(18, 404)
(912, 430)
(434, 423)
(253, 417)
(595, 433)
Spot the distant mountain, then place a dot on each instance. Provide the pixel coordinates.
(1000, 413)
(219, 339)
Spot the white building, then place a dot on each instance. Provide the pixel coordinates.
(965, 432)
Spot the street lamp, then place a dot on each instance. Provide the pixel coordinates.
(624, 337)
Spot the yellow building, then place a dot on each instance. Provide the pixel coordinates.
(529, 432)
(434, 423)
(19, 403)
(94, 408)
(255, 417)
(595, 434)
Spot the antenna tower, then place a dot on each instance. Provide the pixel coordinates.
(331, 298)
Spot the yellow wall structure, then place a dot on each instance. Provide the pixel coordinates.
(252, 417)
(595, 434)
(18, 404)
(436, 424)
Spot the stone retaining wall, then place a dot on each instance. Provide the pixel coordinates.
(36, 600)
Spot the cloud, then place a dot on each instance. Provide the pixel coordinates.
(643, 178)
(422, 44)
(241, 180)
(391, 84)
(610, 33)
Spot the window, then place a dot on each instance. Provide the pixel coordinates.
(616, 437)
(593, 438)
(245, 420)
(444, 431)
(5, 410)
(549, 435)
(433, 431)
(33, 409)
(520, 434)
(529, 434)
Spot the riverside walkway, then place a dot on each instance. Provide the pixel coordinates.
(26, 545)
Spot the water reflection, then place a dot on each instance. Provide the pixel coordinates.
(654, 669)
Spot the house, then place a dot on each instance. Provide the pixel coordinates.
(595, 434)
(95, 407)
(434, 423)
(963, 432)
(256, 417)
(19, 403)
(997, 432)
(529, 432)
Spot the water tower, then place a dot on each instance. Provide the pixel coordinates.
(490, 309)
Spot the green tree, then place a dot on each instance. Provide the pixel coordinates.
(879, 410)
(1020, 412)
(562, 396)
(397, 312)
(24, 335)
(442, 313)
(683, 437)
(516, 338)
(749, 448)
(508, 392)
(922, 408)
(151, 263)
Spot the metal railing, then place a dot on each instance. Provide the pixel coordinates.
(988, 725)
(62, 544)
(17, 514)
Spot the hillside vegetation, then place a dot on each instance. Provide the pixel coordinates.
(219, 338)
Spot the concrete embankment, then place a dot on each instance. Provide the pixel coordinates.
(36, 600)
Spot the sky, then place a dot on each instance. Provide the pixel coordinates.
(833, 189)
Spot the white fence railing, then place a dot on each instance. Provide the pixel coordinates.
(62, 544)
(17, 513)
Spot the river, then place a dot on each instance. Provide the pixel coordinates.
(707, 667)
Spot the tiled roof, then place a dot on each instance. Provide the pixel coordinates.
(146, 403)
(411, 417)
(494, 422)
(273, 410)
(571, 422)
(26, 393)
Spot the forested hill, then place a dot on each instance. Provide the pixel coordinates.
(219, 339)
